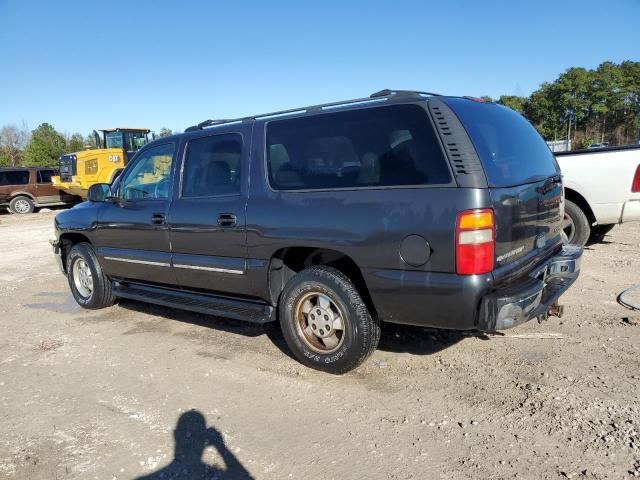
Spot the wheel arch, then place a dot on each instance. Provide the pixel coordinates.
(67, 241)
(575, 197)
(286, 262)
(23, 194)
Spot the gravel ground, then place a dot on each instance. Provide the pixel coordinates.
(112, 394)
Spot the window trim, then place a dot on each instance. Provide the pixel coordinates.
(135, 161)
(421, 104)
(184, 161)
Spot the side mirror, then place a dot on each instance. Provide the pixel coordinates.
(99, 192)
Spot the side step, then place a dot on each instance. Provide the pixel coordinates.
(246, 310)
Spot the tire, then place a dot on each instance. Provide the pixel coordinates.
(346, 343)
(21, 205)
(93, 294)
(576, 224)
(599, 231)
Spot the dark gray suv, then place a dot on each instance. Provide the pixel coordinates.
(402, 207)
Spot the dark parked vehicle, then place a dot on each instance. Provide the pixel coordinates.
(403, 207)
(24, 189)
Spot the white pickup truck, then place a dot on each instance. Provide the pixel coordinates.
(602, 189)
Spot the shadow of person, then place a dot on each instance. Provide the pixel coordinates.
(192, 437)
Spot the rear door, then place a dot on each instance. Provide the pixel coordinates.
(207, 216)
(524, 181)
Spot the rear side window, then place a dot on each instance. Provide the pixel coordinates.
(212, 166)
(510, 149)
(44, 176)
(16, 177)
(372, 147)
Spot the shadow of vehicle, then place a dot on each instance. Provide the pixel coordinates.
(416, 340)
(192, 437)
(395, 338)
(200, 319)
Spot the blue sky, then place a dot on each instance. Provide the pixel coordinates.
(85, 65)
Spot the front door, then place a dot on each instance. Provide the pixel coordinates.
(45, 193)
(133, 240)
(207, 215)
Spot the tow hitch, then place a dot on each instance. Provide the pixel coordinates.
(555, 310)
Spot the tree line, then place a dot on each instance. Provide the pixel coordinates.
(585, 106)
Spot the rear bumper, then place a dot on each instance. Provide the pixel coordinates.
(631, 211)
(510, 306)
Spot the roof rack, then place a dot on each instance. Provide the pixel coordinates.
(374, 97)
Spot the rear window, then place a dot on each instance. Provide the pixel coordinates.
(16, 177)
(372, 147)
(510, 149)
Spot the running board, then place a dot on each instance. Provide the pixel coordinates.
(246, 310)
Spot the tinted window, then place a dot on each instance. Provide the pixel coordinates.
(212, 166)
(44, 176)
(510, 149)
(148, 178)
(16, 177)
(371, 147)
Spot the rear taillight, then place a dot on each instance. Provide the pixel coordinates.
(475, 242)
(635, 185)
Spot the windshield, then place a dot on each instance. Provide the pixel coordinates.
(510, 149)
(130, 141)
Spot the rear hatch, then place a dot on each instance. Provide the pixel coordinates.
(524, 181)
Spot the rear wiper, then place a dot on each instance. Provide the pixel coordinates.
(550, 183)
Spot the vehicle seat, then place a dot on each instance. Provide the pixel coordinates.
(369, 169)
(287, 176)
(218, 179)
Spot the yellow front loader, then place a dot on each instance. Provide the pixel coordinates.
(80, 170)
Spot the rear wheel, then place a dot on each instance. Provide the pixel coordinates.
(575, 224)
(90, 287)
(325, 321)
(21, 205)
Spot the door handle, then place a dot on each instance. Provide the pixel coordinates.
(157, 219)
(227, 220)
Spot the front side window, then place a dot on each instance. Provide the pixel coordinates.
(16, 177)
(372, 147)
(44, 176)
(212, 166)
(148, 178)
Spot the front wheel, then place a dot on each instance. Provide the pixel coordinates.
(21, 205)
(325, 322)
(90, 287)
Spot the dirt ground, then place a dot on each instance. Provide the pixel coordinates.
(100, 394)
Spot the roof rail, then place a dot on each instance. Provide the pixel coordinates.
(376, 97)
(387, 93)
